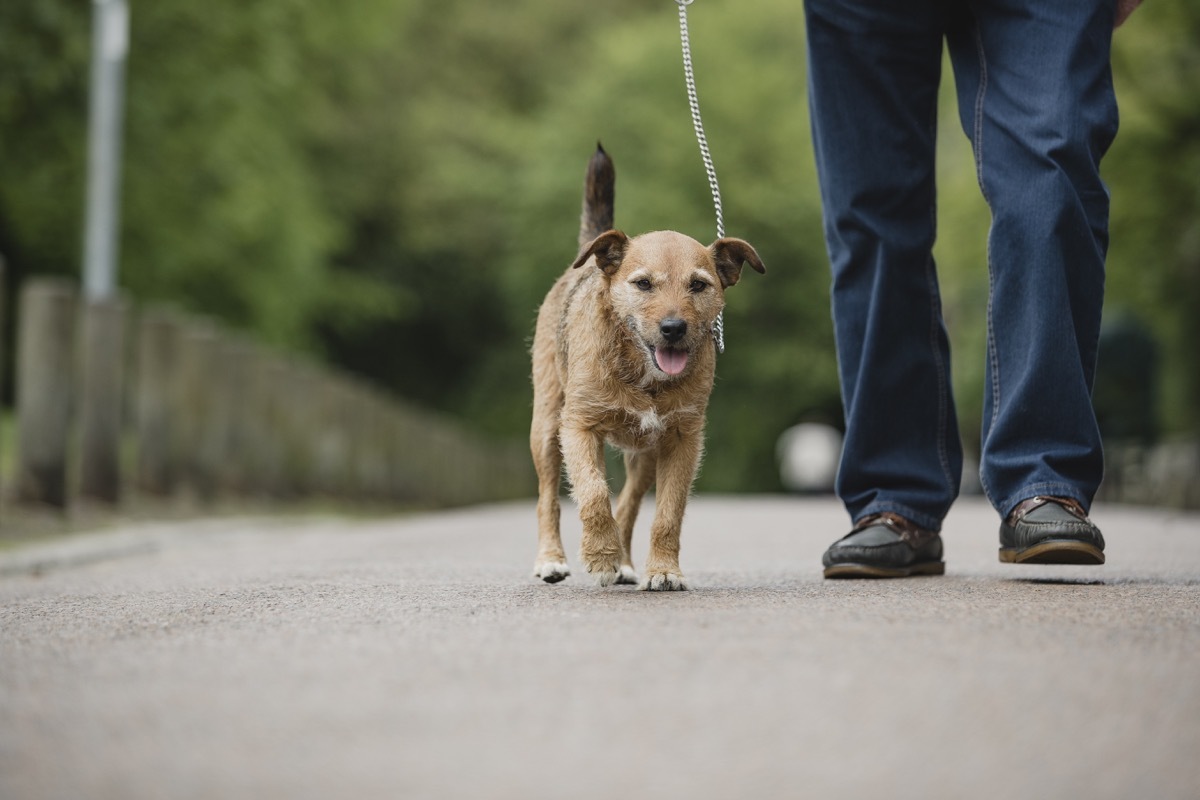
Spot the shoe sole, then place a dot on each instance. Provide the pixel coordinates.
(868, 571)
(1062, 551)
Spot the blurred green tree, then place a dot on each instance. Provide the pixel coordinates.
(394, 185)
(1154, 173)
(629, 93)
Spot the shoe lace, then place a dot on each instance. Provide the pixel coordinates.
(906, 529)
(1073, 507)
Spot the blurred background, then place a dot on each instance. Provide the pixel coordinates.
(389, 187)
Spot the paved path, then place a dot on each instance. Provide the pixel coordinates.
(415, 658)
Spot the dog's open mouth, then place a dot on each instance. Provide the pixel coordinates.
(670, 360)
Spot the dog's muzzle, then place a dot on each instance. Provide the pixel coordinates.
(673, 329)
(668, 356)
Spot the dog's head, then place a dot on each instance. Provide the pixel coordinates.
(668, 289)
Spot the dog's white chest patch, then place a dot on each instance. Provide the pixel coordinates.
(650, 422)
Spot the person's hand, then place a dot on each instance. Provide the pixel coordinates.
(1124, 9)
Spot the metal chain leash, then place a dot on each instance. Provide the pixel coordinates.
(698, 124)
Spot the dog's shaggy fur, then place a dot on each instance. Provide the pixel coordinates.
(624, 353)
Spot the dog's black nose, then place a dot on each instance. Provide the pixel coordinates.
(673, 329)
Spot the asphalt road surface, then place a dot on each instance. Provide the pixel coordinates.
(415, 657)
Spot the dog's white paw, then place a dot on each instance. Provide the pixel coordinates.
(627, 576)
(551, 571)
(605, 577)
(604, 567)
(663, 582)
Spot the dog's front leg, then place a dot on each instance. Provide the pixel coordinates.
(639, 477)
(678, 460)
(600, 545)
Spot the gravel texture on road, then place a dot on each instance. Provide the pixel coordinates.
(415, 657)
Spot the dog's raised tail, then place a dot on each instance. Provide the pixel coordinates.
(597, 216)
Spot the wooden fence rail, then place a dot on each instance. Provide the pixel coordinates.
(113, 401)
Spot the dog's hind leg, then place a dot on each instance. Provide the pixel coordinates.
(639, 475)
(551, 563)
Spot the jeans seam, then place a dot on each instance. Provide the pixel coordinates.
(993, 355)
(940, 365)
(978, 127)
(934, 322)
(992, 351)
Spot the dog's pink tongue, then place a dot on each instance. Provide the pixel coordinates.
(670, 361)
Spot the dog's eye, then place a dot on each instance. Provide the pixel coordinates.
(698, 286)
(644, 284)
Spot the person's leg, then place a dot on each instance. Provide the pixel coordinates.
(874, 68)
(1036, 99)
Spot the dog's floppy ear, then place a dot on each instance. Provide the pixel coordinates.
(608, 248)
(729, 254)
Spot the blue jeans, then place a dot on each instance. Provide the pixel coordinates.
(1035, 98)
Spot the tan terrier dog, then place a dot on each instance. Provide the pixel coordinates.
(624, 353)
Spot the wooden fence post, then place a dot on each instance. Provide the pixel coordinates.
(157, 429)
(273, 426)
(102, 347)
(216, 445)
(45, 362)
(329, 447)
(195, 408)
(238, 472)
(296, 431)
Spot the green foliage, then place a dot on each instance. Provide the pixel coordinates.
(779, 366)
(1154, 172)
(43, 54)
(394, 184)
